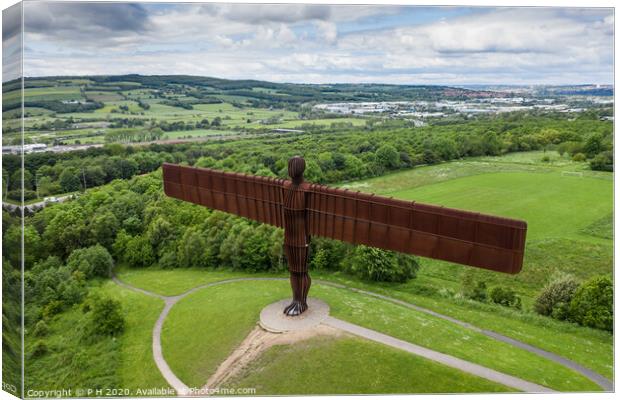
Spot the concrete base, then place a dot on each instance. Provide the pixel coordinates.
(273, 319)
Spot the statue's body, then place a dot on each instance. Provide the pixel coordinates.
(305, 209)
(296, 236)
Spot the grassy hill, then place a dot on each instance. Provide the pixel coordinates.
(568, 211)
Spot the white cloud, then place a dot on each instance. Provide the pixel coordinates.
(328, 31)
(309, 43)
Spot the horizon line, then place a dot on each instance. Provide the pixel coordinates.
(324, 83)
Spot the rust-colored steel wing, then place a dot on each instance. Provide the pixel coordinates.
(255, 197)
(430, 231)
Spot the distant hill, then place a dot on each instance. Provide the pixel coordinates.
(266, 93)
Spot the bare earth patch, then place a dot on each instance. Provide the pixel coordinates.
(256, 343)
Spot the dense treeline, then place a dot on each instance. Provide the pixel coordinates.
(330, 156)
(55, 105)
(82, 173)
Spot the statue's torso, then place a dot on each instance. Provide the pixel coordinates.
(295, 225)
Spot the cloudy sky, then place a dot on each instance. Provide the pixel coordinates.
(320, 43)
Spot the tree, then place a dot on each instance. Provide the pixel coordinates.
(593, 145)
(320, 261)
(388, 156)
(313, 172)
(12, 245)
(326, 162)
(94, 176)
(328, 253)
(192, 249)
(159, 232)
(491, 144)
(138, 252)
(91, 261)
(69, 180)
(253, 251)
(592, 304)
(66, 231)
(206, 162)
(47, 186)
(103, 228)
(16, 180)
(353, 167)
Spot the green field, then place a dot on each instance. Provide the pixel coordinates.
(233, 118)
(567, 213)
(46, 93)
(378, 369)
(553, 205)
(194, 343)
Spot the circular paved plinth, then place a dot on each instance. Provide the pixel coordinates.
(273, 319)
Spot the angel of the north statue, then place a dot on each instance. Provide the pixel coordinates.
(307, 209)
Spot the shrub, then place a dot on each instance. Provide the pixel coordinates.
(592, 304)
(39, 349)
(72, 291)
(545, 159)
(327, 254)
(105, 315)
(52, 308)
(554, 299)
(474, 290)
(579, 157)
(505, 297)
(40, 329)
(603, 162)
(383, 266)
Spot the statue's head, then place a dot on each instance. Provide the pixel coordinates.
(296, 167)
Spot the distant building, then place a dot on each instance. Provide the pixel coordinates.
(28, 148)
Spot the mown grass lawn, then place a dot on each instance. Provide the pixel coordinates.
(170, 282)
(203, 328)
(590, 347)
(553, 205)
(370, 368)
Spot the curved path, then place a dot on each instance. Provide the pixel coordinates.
(466, 366)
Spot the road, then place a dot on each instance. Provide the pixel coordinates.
(36, 206)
